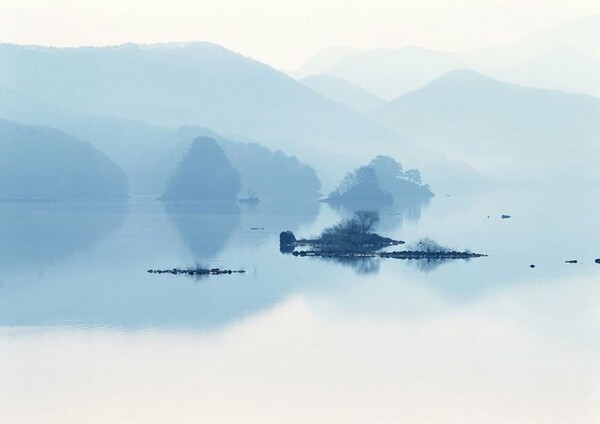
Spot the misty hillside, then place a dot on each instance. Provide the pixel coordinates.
(42, 163)
(324, 60)
(390, 73)
(563, 69)
(505, 130)
(343, 92)
(204, 173)
(192, 83)
(271, 174)
(149, 153)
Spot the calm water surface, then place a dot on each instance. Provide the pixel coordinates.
(87, 336)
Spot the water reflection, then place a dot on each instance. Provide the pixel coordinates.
(106, 283)
(205, 227)
(109, 286)
(361, 266)
(34, 235)
(391, 216)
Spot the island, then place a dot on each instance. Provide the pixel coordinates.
(355, 238)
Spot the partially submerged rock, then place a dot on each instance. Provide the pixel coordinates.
(343, 243)
(402, 254)
(195, 271)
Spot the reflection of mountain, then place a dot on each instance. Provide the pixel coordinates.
(118, 291)
(38, 234)
(204, 226)
(208, 227)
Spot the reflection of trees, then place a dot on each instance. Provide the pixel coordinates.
(361, 265)
(429, 265)
(204, 226)
(391, 216)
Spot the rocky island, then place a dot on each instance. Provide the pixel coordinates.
(354, 238)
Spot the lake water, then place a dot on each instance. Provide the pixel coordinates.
(88, 336)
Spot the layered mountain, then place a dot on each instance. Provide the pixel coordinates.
(563, 69)
(343, 92)
(192, 83)
(390, 73)
(324, 60)
(581, 35)
(507, 131)
(44, 163)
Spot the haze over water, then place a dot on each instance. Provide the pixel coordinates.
(141, 141)
(87, 335)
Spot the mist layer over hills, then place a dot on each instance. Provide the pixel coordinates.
(510, 132)
(193, 83)
(343, 92)
(581, 35)
(564, 58)
(390, 73)
(131, 101)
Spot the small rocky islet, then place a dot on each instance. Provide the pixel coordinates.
(354, 238)
(196, 271)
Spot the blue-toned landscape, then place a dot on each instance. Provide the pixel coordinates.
(235, 230)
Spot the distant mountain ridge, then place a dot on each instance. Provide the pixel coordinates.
(563, 69)
(389, 73)
(505, 130)
(581, 35)
(195, 83)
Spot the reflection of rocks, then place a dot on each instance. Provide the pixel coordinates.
(45, 233)
(204, 226)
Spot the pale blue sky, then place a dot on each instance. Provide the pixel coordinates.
(284, 33)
